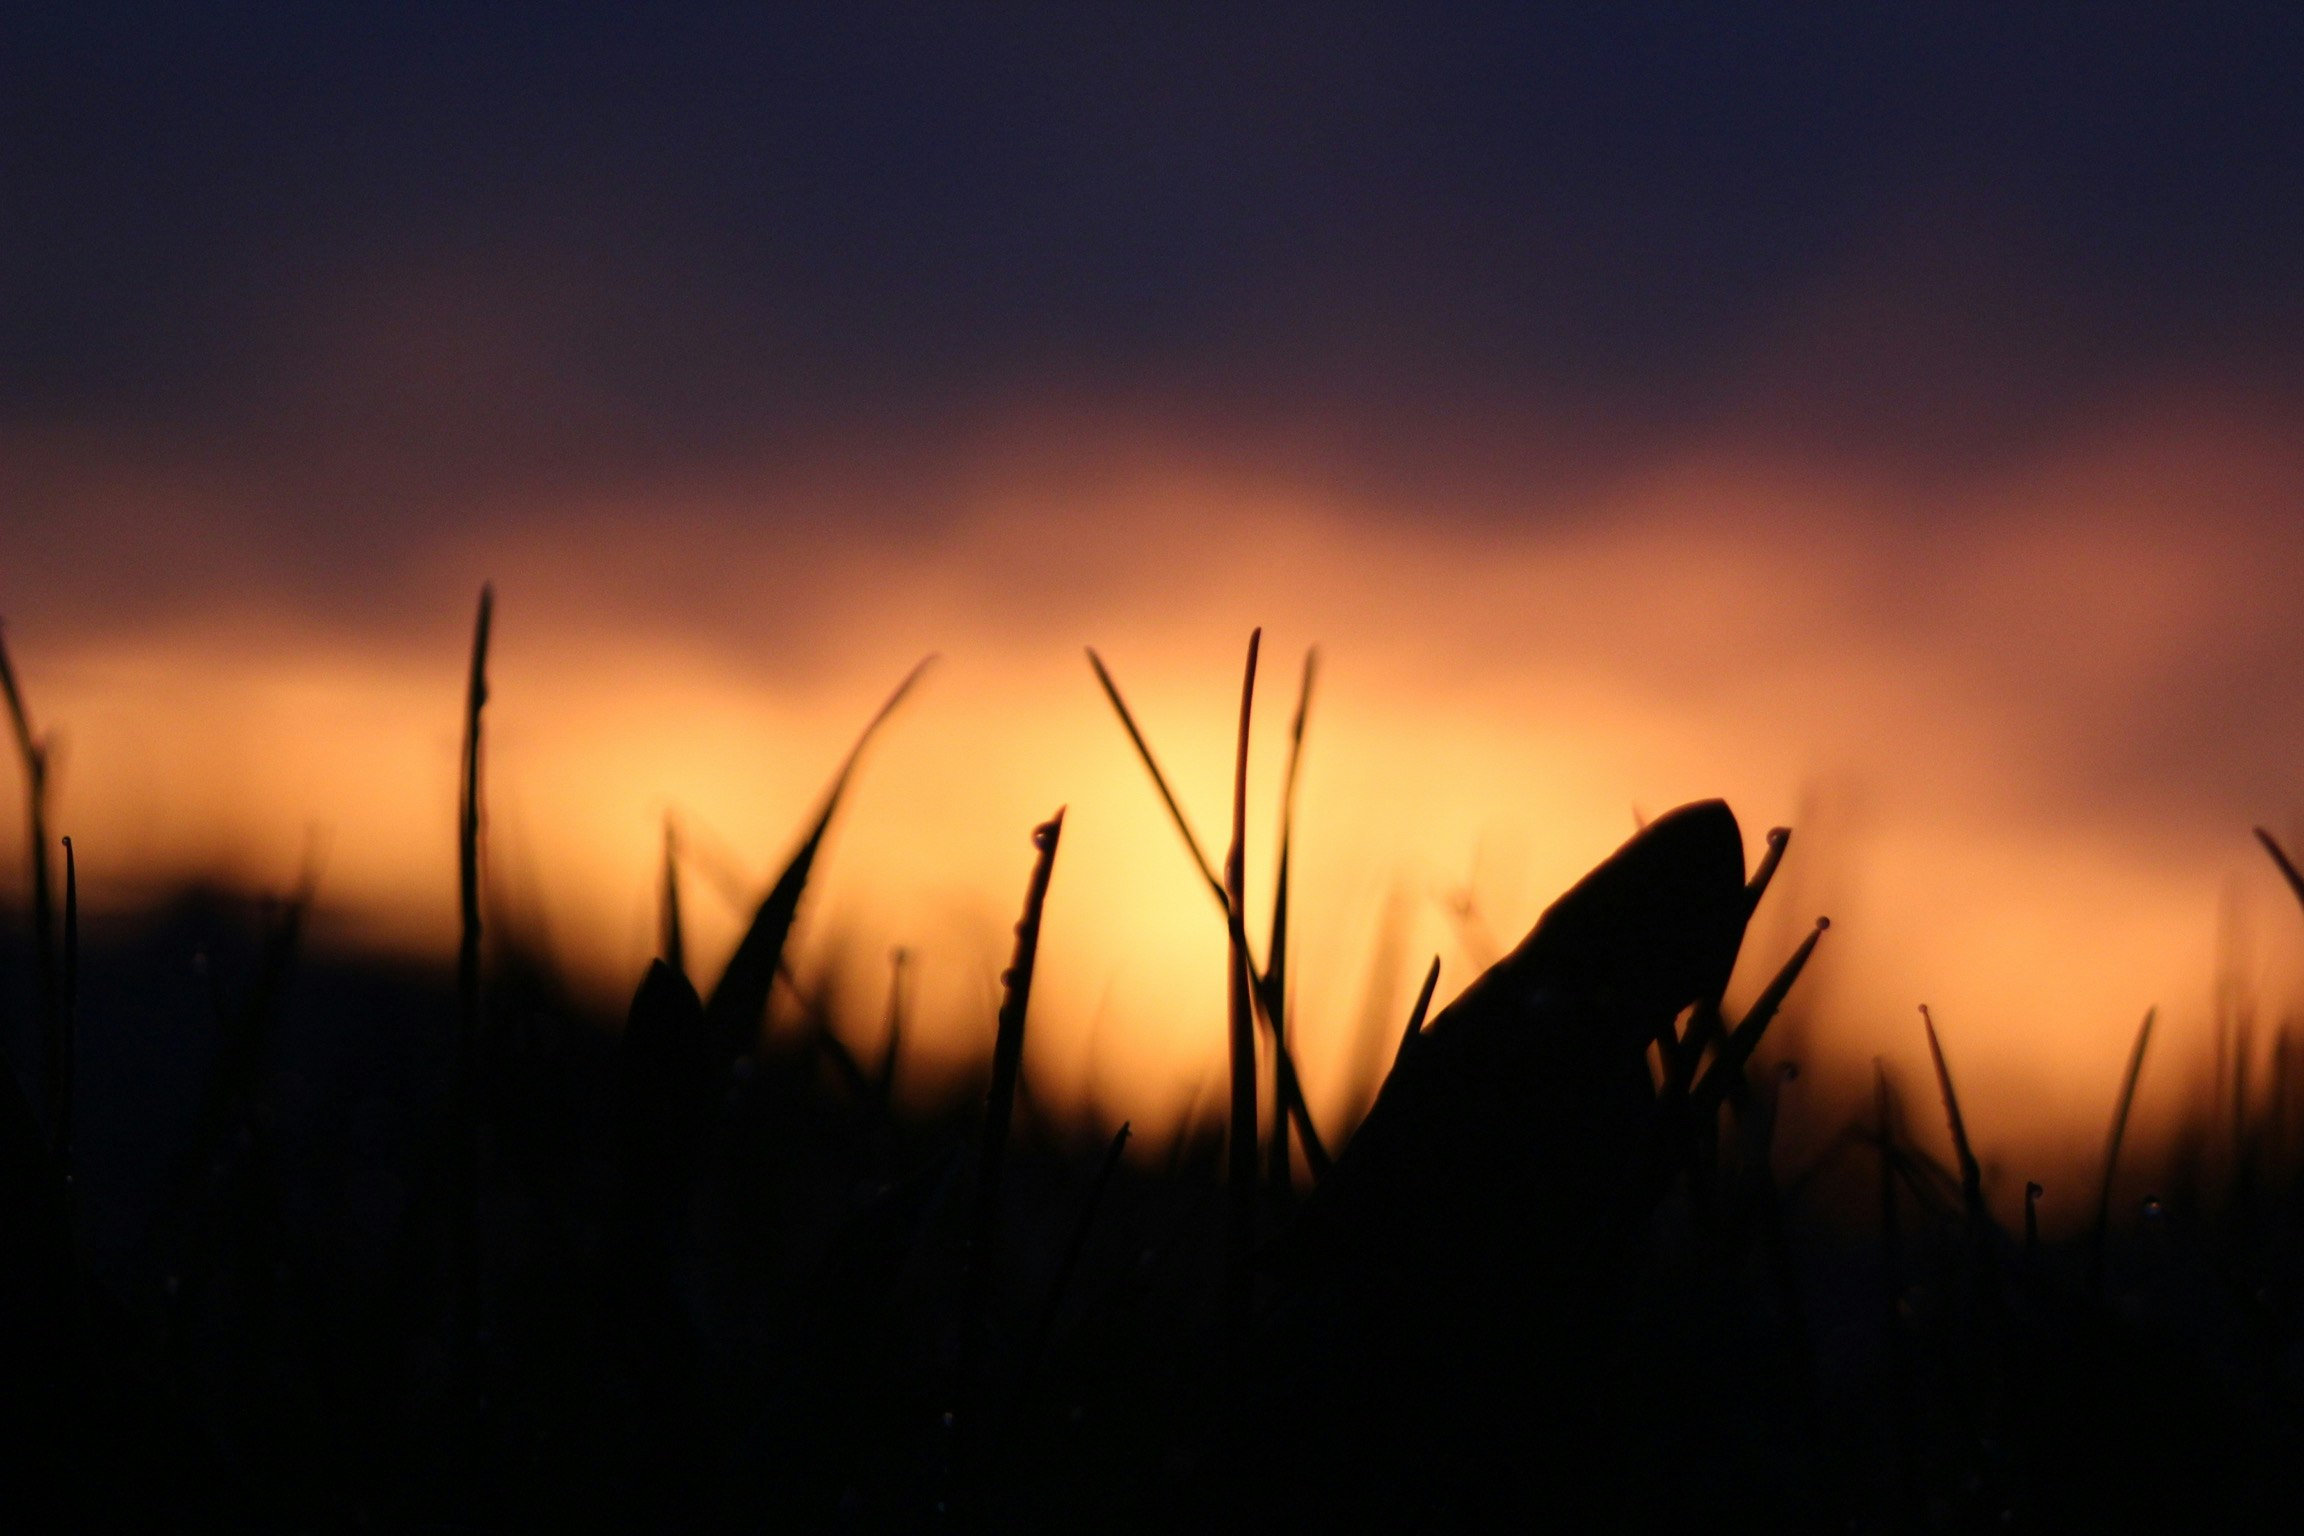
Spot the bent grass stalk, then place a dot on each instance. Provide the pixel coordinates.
(1308, 1136)
(738, 1004)
(1240, 1222)
(1971, 1173)
(1274, 981)
(1736, 1048)
(32, 749)
(2120, 1114)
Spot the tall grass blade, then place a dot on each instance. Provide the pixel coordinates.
(1275, 977)
(33, 751)
(1269, 1006)
(2120, 1114)
(1240, 1223)
(2288, 870)
(1971, 1174)
(992, 1154)
(674, 943)
(1737, 1047)
(469, 1050)
(1159, 779)
(1779, 838)
(892, 1049)
(739, 1002)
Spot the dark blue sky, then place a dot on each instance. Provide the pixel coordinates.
(440, 248)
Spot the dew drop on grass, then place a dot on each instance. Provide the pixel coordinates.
(2153, 1209)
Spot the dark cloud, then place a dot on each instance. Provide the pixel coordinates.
(471, 237)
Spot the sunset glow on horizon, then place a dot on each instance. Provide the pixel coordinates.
(1889, 427)
(1975, 727)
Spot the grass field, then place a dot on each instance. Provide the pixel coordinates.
(307, 1240)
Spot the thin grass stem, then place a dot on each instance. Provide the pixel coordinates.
(2120, 1114)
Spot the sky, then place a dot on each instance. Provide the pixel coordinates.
(1887, 419)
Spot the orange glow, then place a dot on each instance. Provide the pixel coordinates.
(1936, 695)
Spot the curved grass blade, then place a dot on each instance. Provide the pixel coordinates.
(2112, 1146)
(1971, 1174)
(892, 1049)
(1240, 974)
(2280, 857)
(1268, 1004)
(738, 1003)
(1159, 779)
(1779, 838)
(1274, 981)
(33, 750)
(1737, 1047)
(673, 942)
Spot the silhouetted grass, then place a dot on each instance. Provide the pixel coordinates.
(32, 753)
(965, 1432)
(1971, 1173)
(738, 1003)
(2101, 1232)
(1274, 981)
(1240, 1032)
(1269, 1007)
(1423, 1005)
(470, 1022)
(730, 1287)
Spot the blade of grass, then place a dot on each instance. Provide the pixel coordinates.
(2112, 1149)
(1240, 971)
(1737, 1047)
(1159, 779)
(1971, 1174)
(1778, 839)
(2288, 870)
(739, 1003)
(992, 1153)
(884, 1085)
(674, 943)
(1275, 977)
(1415, 1029)
(33, 751)
(466, 1213)
(1269, 1007)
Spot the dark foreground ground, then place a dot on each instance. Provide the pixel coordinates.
(319, 1267)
